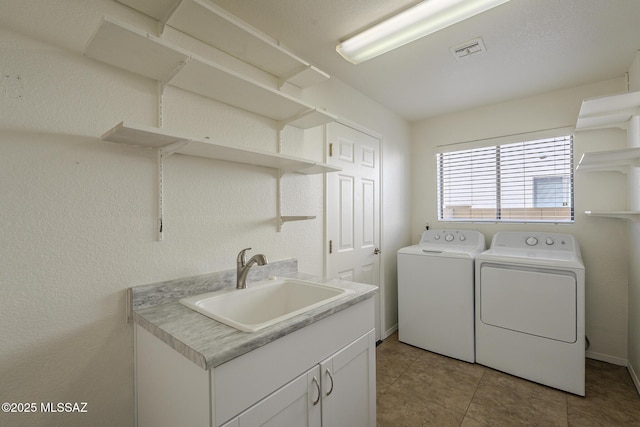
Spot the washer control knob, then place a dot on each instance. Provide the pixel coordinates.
(436, 237)
(449, 237)
(549, 241)
(462, 238)
(531, 241)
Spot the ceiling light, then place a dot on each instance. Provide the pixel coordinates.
(418, 21)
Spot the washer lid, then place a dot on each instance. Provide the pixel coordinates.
(438, 251)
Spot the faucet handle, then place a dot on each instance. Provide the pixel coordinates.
(241, 259)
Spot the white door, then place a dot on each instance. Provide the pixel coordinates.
(353, 209)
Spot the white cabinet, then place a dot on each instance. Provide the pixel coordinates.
(348, 385)
(338, 392)
(296, 404)
(322, 374)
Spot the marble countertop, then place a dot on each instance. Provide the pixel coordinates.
(209, 343)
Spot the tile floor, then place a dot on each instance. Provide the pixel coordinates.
(417, 388)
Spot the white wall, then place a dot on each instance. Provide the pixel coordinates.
(604, 242)
(78, 216)
(634, 228)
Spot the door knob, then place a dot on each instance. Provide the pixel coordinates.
(376, 251)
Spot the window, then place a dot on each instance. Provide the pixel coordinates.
(530, 181)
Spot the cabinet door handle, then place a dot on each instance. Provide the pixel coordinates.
(331, 378)
(317, 383)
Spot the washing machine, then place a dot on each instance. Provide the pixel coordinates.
(530, 316)
(435, 292)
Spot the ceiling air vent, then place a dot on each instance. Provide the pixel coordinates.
(468, 48)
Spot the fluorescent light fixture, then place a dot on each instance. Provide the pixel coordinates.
(418, 21)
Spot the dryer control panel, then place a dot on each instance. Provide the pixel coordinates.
(534, 240)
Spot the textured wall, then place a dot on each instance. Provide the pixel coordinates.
(78, 215)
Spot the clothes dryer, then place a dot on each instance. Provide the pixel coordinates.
(530, 315)
(435, 292)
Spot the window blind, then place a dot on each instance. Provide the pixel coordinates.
(529, 181)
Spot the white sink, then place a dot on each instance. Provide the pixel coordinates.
(264, 303)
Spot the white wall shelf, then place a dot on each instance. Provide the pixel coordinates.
(124, 46)
(628, 215)
(608, 111)
(210, 24)
(167, 144)
(609, 161)
(148, 136)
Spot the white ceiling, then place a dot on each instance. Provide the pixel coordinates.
(533, 46)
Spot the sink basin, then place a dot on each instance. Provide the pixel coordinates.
(264, 303)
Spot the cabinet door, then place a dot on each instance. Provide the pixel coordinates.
(348, 385)
(296, 404)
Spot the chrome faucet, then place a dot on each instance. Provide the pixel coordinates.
(244, 266)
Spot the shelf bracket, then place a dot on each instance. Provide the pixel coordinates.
(162, 23)
(160, 161)
(168, 150)
(160, 91)
(287, 121)
(163, 84)
(308, 118)
(285, 78)
(286, 218)
(175, 72)
(162, 153)
(280, 130)
(279, 198)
